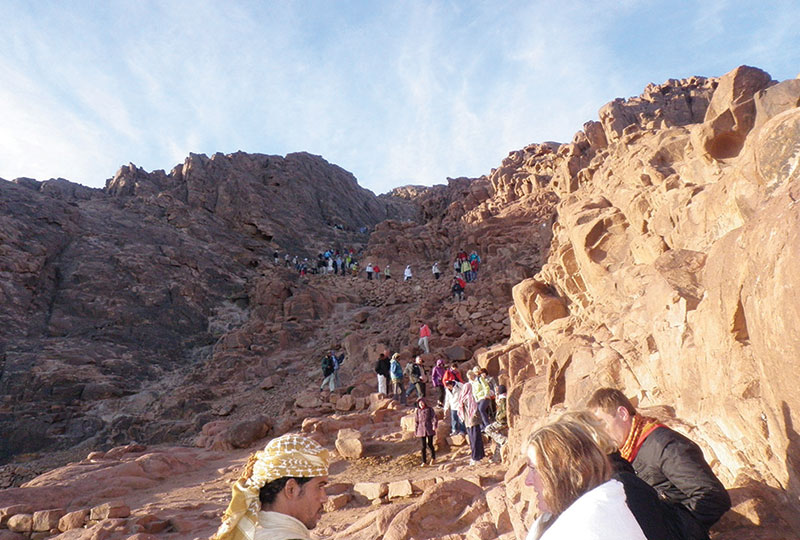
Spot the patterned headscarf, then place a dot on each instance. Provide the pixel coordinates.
(288, 455)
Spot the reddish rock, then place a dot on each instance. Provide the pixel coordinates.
(73, 520)
(109, 510)
(20, 523)
(371, 490)
(349, 444)
(44, 520)
(8, 511)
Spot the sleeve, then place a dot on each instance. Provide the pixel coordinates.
(682, 462)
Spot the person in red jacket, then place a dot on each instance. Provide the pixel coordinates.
(424, 334)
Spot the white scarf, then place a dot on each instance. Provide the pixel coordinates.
(277, 526)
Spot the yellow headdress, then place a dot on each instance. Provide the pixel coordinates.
(288, 455)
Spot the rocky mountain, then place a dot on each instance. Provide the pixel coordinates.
(106, 291)
(653, 253)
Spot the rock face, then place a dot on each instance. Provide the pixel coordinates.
(670, 276)
(105, 292)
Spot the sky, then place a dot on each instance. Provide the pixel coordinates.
(396, 92)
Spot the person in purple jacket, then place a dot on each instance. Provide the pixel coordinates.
(426, 429)
(438, 383)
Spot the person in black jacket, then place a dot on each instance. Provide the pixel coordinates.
(328, 372)
(382, 370)
(654, 517)
(668, 461)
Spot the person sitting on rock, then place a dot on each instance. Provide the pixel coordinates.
(665, 459)
(425, 418)
(451, 394)
(396, 373)
(280, 494)
(496, 429)
(575, 494)
(416, 377)
(457, 289)
(407, 273)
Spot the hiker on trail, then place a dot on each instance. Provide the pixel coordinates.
(467, 409)
(275, 257)
(286, 260)
(655, 518)
(369, 270)
(424, 334)
(396, 373)
(438, 384)
(466, 269)
(407, 273)
(492, 383)
(575, 494)
(387, 274)
(425, 429)
(457, 289)
(435, 270)
(328, 373)
(480, 390)
(665, 459)
(451, 394)
(382, 370)
(280, 494)
(377, 270)
(452, 373)
(474, 270)
(496, 430)
(337, 363)
(416, 377)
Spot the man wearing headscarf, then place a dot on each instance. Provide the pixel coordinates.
(280, 493)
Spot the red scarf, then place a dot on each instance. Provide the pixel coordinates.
(641, 427)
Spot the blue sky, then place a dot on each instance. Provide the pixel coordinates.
(397, 92)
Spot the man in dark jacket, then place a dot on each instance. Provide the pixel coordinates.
(328, 372)
(668, 461)
(382, 370)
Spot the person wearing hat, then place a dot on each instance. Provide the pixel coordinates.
(416, 377)
(280, 494)
(396, 374)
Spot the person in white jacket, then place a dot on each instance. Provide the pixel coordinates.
(576, 496)
(407, 273)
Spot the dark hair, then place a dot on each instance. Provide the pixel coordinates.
(609, 400)
(270, 490)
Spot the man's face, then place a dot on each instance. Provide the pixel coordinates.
(617, 425)
(307, 507)
(533, 479)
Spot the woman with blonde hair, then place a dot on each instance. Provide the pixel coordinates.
(654, 516)
(575, 492)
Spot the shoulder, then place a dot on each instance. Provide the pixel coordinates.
(599, 514)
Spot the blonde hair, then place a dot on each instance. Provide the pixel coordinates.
(593, 427)
(569, 463)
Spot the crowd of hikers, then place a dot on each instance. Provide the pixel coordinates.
(601, 472)
(345, 263)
